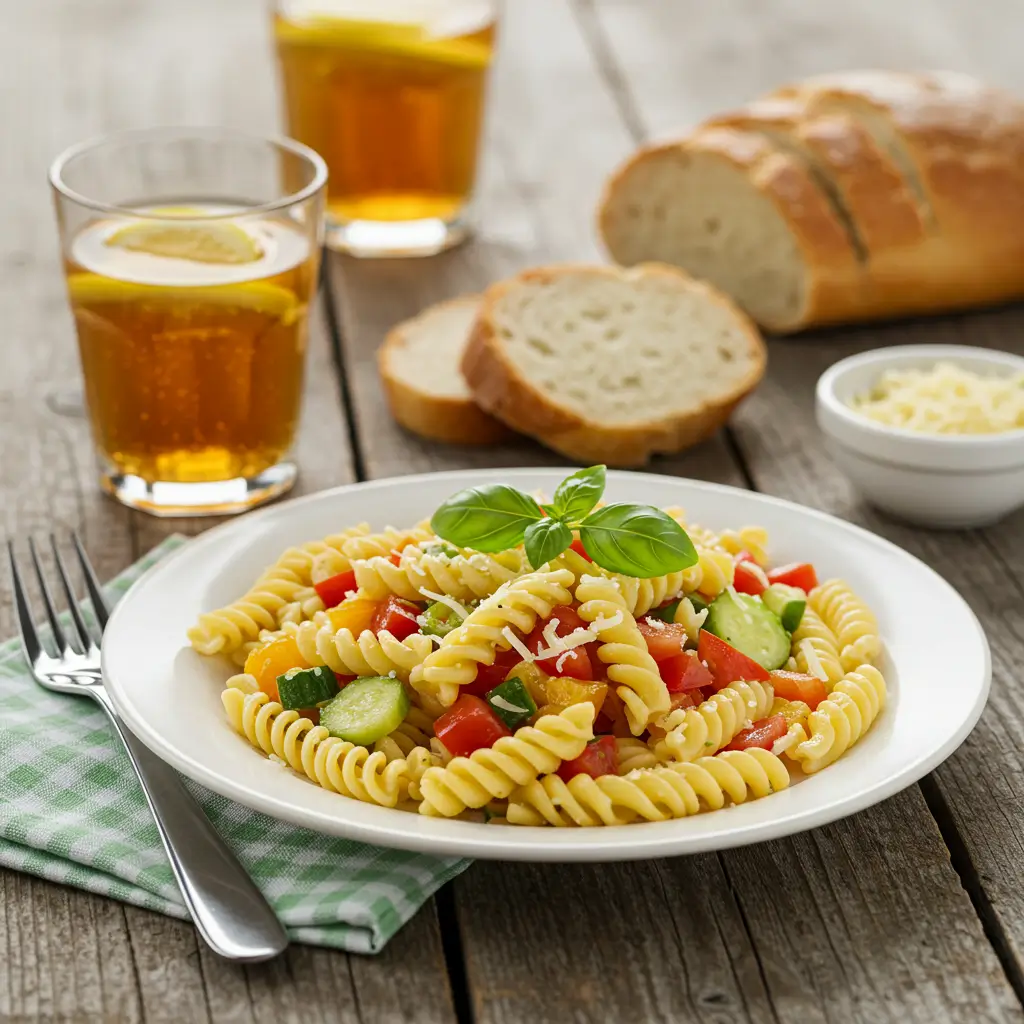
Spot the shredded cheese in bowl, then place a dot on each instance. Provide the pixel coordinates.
(947, 399)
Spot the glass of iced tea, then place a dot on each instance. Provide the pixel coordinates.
(191, 258)
(391, 94)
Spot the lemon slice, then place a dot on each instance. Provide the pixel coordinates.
(259, 296)
(214, 242)
(378, 37)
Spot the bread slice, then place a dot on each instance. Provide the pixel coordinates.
(730, 207)
(419, 367)
(611, 365)
(847, 197)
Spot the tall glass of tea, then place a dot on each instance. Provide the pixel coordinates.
(191, 258)
(391, 93)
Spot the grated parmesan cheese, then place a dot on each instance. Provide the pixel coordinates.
(560, 664)
(506, 705)
(946, 399)
(600, 624)
(459, 609)
(812, 659)
(783, 743)
(656, 623)
(517, 645)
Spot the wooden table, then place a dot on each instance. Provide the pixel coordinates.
(910, 912)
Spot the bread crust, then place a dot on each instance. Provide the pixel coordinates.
(931, 170)
(500, 388)
(436, 417)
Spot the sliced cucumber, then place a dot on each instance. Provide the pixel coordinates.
(439, 619)
(301, 688)
(789, 603)
(745, 623)
(366, 710)
(512, 703)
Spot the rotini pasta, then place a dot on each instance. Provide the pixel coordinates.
(816, 649)
(652, 794)
(839, 722)
(460, 684)
(368, 654)
(623, 651)
(850, 619)
(493, 772)
(695, 732)
(309, 749)
(517, 605)
(464, 576)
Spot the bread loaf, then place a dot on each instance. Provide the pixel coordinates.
(610, 365)
(419, 367)
(845, 197)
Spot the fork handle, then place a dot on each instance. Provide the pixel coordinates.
(231, 914)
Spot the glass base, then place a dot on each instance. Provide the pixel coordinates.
(221, 498)
(383, 239)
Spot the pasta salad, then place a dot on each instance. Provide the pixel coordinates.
(563, 663)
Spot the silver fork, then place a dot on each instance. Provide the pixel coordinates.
(231, 914)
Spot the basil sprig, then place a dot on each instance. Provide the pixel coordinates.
(635, 540)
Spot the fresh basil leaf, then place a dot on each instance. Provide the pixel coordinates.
(545, 540)
(636, 540)
(576, 495)
(490, 518)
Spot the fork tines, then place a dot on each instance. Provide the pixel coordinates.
(26, 624)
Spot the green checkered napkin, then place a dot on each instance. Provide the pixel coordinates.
(71, 811)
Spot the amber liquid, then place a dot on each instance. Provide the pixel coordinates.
(395, 113)
(189, 382)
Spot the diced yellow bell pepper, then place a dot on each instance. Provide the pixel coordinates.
(355, 614)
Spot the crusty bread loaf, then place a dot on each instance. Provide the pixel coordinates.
(611, 365)
(419, 366)
(846, 197)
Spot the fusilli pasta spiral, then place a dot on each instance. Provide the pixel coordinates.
(694, 732)
(850, 619)
(464, 576)
(416, 731)
(633, 754)
(284, 584)
(839, 722)
(815, 648)
(653, 794)
(516, 605)
(493, 772)
(309, 749)
(623, 650)
(368, 654)
(749, 538)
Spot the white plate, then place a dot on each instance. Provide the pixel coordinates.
(937, 666)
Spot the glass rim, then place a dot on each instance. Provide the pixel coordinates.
(60, 162)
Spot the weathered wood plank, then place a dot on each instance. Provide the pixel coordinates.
(68, 73)
(868, 929)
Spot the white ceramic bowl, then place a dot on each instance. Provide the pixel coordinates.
(939, 480)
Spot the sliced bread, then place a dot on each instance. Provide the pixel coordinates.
(611, 365)
(419, 367)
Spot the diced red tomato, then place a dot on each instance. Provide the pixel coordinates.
(798, 686)
(490, 676)
(761, 734)
(398, 617)
(332, 590)
(575, 664)
(665, 640)
(796, 574)
(684, 672)
(599, 757)
(395, 557)
(743, 556)
(727, 665)
(468, 725)
(747, 580)
(577, 546)
(686, 699)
